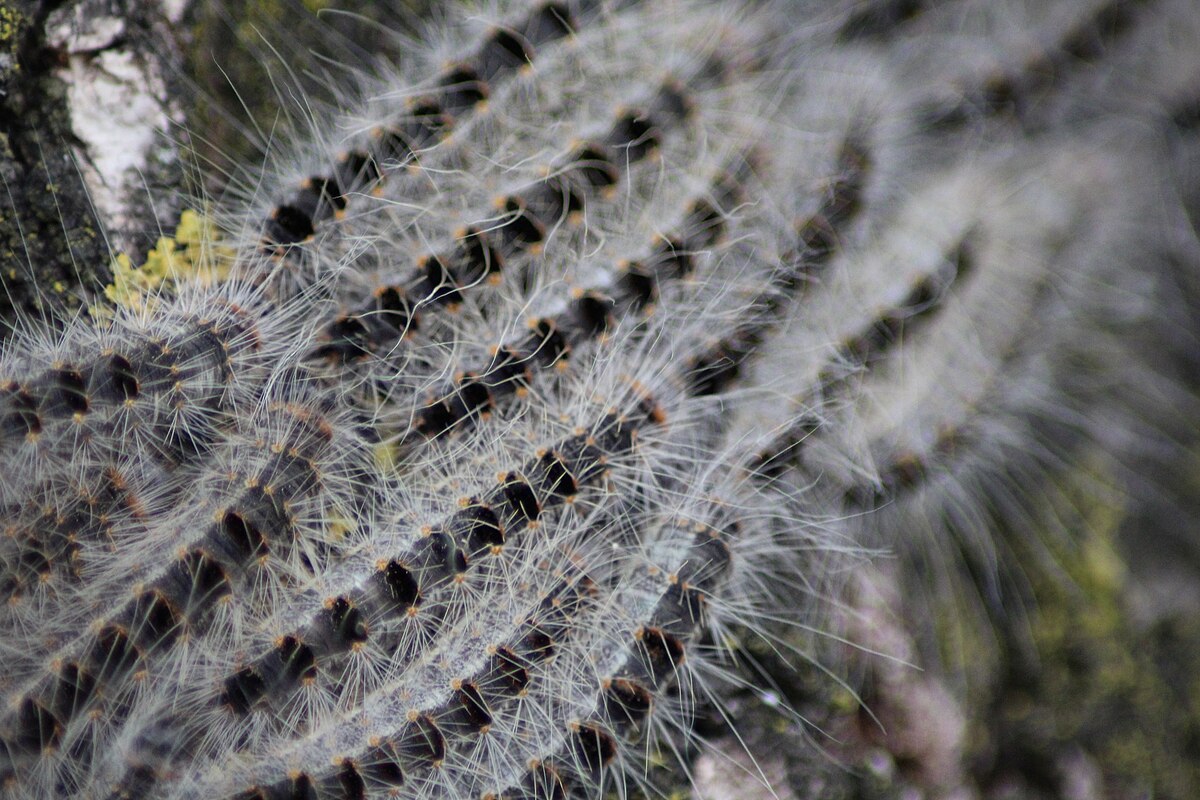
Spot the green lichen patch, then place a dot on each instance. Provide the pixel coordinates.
(12, 23)
(1093, 689)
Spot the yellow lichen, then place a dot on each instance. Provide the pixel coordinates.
(11, 24)
(193, 255)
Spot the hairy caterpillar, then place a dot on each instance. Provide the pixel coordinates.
(554, 360)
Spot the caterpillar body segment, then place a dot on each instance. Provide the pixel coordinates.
(276, 505)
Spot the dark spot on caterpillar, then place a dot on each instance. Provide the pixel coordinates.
(1088, 41)
(319, 199)
(626, 702)
(381, 767)
(846, 193)
(67, 393)
(508, 370)
(553, 200)
(73, 690)
(1013, 91)
(394, 145)
(467, 711)
(505, 673)
(818, 241)
(437, 284)
(424, 126)
(265, 512)
(670, 258)
(461, 89)
(536, 644)
(546, 343)
(550, 22)
(1185, 113)
(593, 747)
(434, 419)
(345, 784)
(672, 101)
(521, 504)
(773, 460)
(553, 477)
(422, 741)
(1001, 92)
(543, 782)
(289, 473)
(919, 304)
(590, 314)
(37, 729)
(398, 587)
(436, 559)
(439, 416)
(291, 662)
(32, 564)
(476, 526)
(342, 625)
(647, 410)
(583, 457)
(679, 610)
(703, 226)
(962, 258)
(471, 397)
(248, 542)
(356, 168)
(348, 340)
(943, 116)
(716, 70)
(636, 287)
(708, 560)
(296, 787)
(159, 366)
(202, 350)
(561, 606)
(196, 582)
(138, 782)
(593, 166)
(880, 19)
(288, 225)
(394, 308)
(520, 228)
(903, 474)
(659, 652)
(153, 622)
(727, 190)
(503, 51)
(57, 545)
(112, 654)
(636, 135)
(474, 259)
(712, 371)
(23, 417)
(114, 378)
(242, 690)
